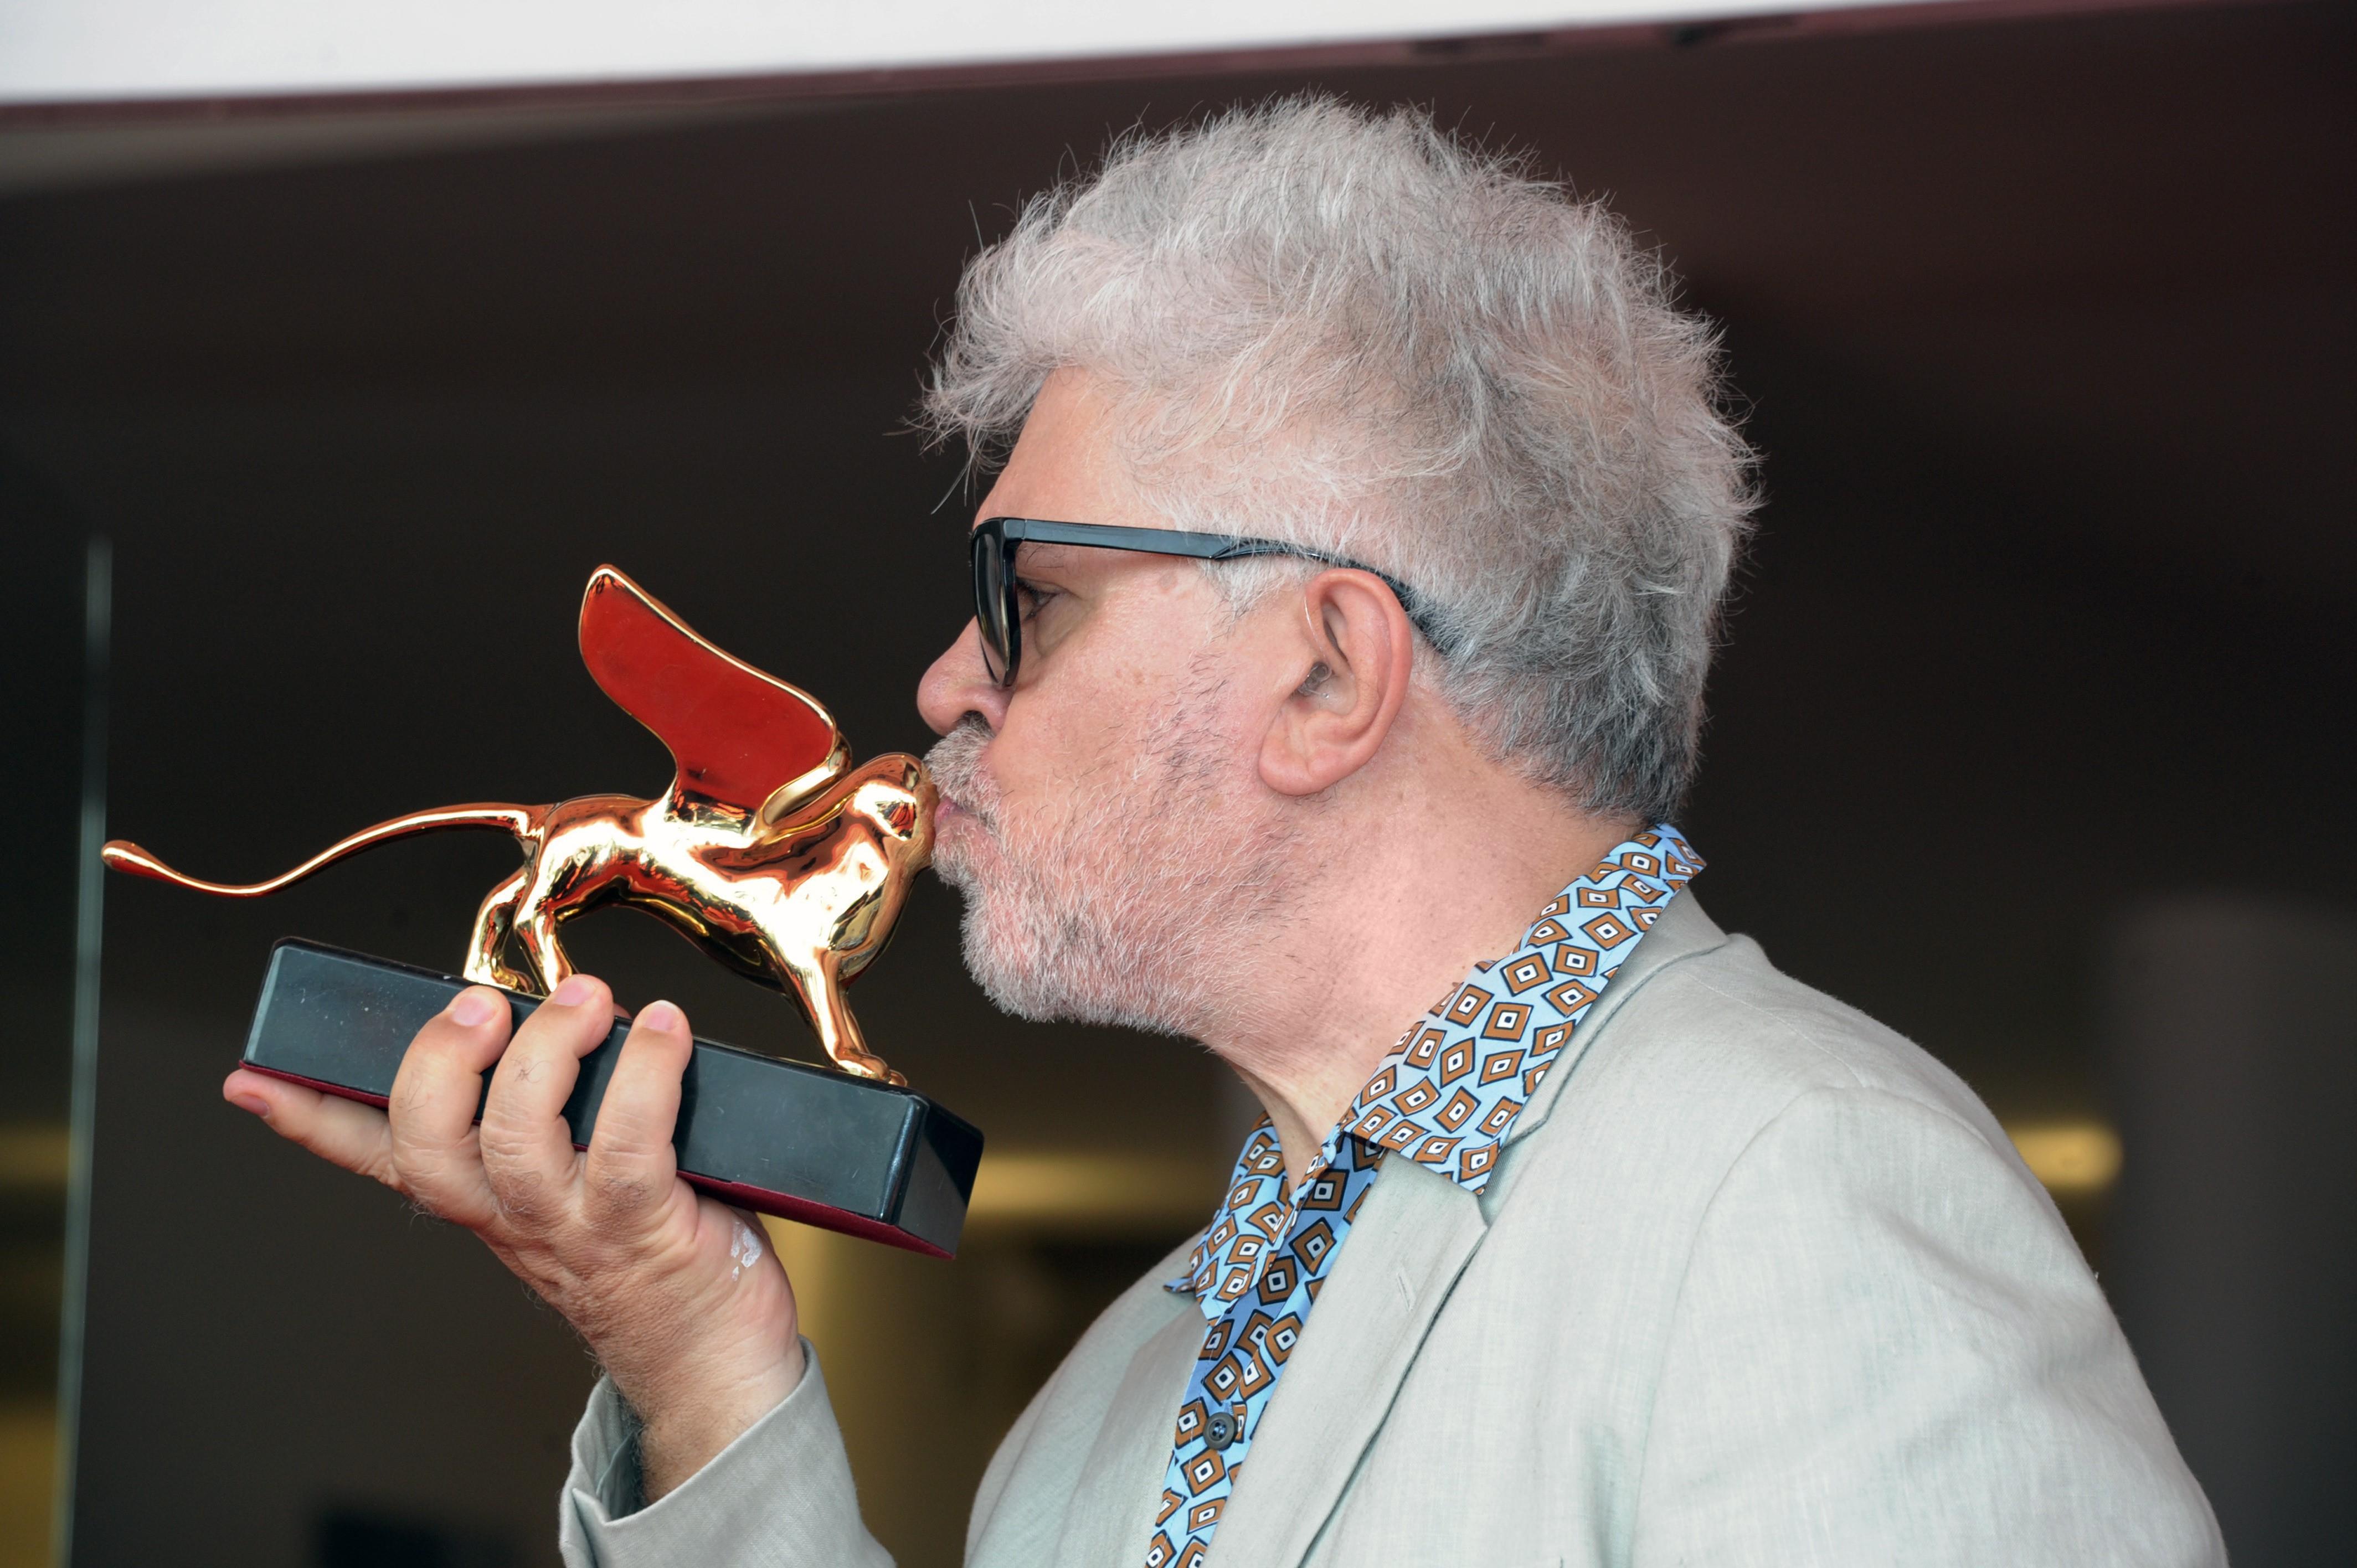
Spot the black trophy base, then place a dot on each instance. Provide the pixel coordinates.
(804, 1142)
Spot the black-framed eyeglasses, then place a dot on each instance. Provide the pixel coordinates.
(999, 614)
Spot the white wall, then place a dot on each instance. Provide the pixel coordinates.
(56, 51)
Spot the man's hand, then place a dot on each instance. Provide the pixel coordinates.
(679, 1296)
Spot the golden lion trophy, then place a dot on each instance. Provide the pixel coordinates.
(770, 852)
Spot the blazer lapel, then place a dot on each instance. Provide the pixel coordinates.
(1404, 1253)
(1403, 1257)
(1683, 929)
(1116, 1493)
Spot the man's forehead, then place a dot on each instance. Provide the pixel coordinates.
(1066, 465)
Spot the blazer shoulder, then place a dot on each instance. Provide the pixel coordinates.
(1710, 1048)
(1729, 1016)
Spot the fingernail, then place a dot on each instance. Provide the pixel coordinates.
(253, 1103)
(663, 1015)
(471, 1008)
(574, 992)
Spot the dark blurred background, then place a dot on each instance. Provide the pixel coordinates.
(2043, 327)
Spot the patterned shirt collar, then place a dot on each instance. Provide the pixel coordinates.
(1447, 1095)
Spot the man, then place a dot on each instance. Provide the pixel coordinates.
(1342, 610)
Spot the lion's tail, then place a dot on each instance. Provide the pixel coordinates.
(522, 821)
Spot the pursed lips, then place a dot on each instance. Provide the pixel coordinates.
(951, 810)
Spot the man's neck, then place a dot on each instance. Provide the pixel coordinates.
(1410, 893)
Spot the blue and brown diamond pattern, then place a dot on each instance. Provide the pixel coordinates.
(1445, 1097)
(1448, 1093)
(1265, 1289)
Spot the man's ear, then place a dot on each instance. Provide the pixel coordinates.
(1355, 651)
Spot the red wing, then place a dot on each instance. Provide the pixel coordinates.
(736, 735)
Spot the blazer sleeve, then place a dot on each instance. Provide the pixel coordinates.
(1887, 1348)
(778, 1497)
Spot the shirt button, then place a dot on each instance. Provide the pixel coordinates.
(1223, 1428)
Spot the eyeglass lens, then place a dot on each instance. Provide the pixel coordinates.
(991, 612)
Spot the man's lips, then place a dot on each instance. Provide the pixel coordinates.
(951, 815)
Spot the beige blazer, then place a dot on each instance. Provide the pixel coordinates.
(1756, 1282)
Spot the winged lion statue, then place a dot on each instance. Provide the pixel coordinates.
(771, 851)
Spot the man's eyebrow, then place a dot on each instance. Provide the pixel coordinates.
(1036, 554)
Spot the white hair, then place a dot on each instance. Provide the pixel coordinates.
(1358, 333)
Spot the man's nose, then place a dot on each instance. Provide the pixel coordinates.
(959, 685)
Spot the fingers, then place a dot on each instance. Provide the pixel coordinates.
(527, 1149)
(435, 1156)
(357, 1137)
(681, 1298)
(630, 1166)
(516, 1178)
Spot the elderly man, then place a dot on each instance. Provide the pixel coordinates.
(1342, 608)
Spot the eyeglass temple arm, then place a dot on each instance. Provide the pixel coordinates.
(1411, 603)
(1212, 547)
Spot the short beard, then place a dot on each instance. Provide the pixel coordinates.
(1136, 906)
